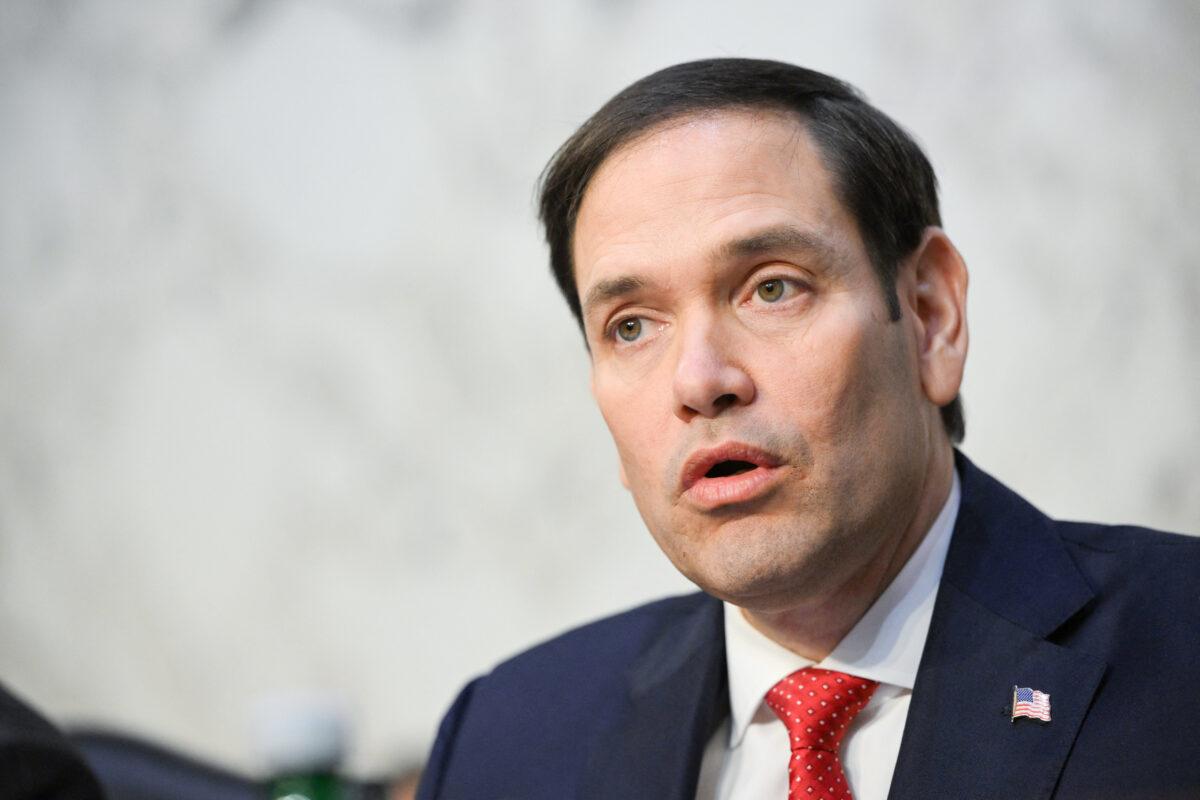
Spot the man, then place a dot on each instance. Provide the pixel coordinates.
(777, 333)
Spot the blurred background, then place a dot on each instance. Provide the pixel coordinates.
(289, 401)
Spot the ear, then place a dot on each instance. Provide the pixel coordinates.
(937, 296)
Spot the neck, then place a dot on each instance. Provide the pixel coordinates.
(813, 628)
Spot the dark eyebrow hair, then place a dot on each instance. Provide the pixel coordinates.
(611, 288)
(780, 237)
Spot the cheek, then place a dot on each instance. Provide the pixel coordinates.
(846, 377)
(636, 429)
(821, 378)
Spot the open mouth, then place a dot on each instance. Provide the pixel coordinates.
(723, 469)
(729, 474)
(732, 472)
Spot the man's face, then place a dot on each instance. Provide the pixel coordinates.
(768, 414)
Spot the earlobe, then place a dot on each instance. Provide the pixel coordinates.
(939, 300)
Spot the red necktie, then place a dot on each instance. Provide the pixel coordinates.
(817, 705)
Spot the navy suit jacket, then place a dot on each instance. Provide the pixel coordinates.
(1106, 620)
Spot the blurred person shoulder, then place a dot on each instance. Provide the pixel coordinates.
(36, 761)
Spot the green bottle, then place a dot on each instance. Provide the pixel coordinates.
(313, 786)
(302, 739)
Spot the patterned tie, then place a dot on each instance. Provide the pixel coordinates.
(817, 705)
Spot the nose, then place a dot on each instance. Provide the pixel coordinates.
(708, 380)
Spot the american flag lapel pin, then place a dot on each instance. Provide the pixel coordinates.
(1030, 703)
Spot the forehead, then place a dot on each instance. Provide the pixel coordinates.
(695, 183)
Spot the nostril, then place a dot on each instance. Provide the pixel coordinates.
(725, 401)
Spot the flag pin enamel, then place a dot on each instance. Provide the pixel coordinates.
(1030, 703)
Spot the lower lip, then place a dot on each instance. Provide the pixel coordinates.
(712, 493)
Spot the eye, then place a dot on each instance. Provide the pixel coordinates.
(629, 329)
(632, 331)
(777, 290)
(771, 291)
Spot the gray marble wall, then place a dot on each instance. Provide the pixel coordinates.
(288, 397)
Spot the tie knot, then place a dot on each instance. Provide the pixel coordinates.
(817, 706)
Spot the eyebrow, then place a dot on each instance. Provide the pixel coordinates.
(611, 289)
(780, 237)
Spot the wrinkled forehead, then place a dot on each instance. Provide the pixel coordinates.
(690, 178)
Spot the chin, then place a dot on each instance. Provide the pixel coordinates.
(768, 582)
(757, 556)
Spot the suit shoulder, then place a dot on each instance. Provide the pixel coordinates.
(1130, 540)
(613, 639)
(528, 728)
(1152, 572)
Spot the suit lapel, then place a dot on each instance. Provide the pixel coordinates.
(959, 740)
(677, 699)
(1008, 584)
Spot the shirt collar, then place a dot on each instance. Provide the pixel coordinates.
(884, 645)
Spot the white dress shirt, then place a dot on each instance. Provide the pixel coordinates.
(747, 758)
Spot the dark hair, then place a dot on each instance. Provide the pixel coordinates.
(879, 172)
